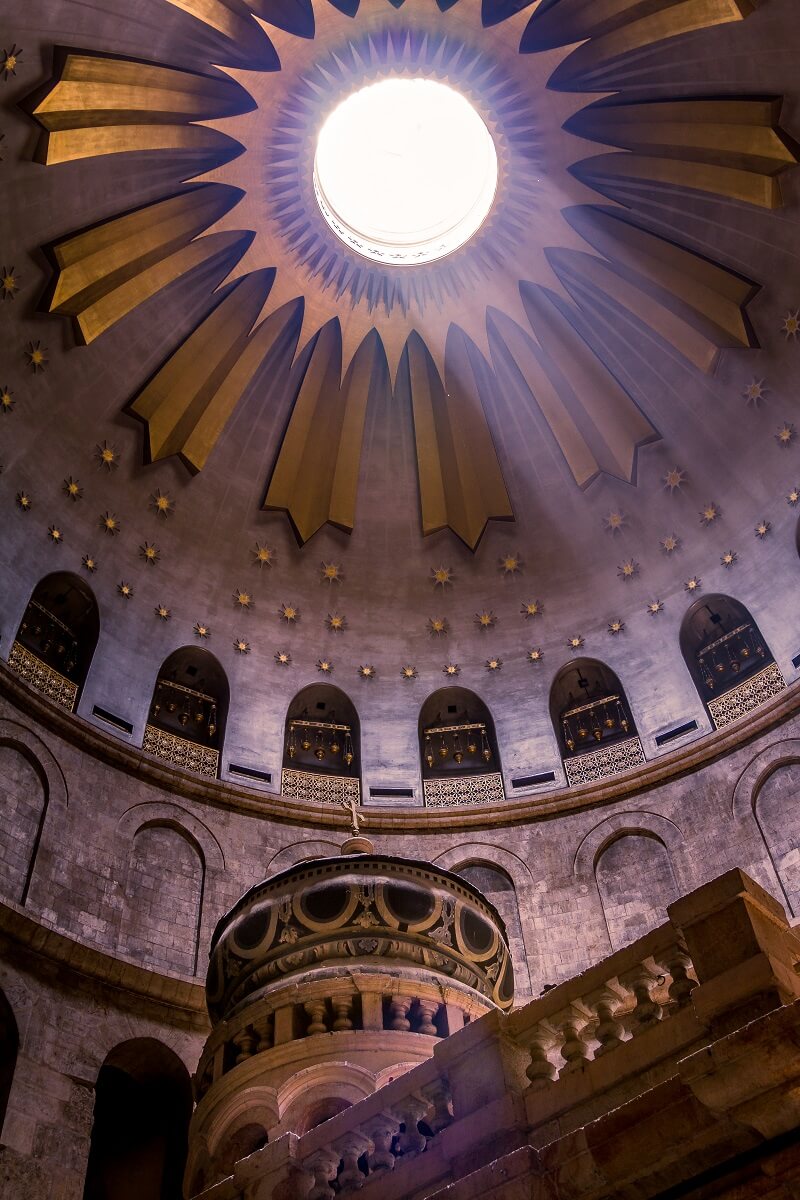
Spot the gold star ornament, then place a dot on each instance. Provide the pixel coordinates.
(9, 62)
(109, 523)
(628, 569)
(201, 630)
(711, 512)
(793, 496)
(283, 658)
(161, 503)
(654, 607)
(729, 558)
(6, 399)
(162, 612)
(242, 599)
(367, 671)
(55, 533)
(36, 355)
(289, 613)
(532, 608)
(615, 627)
(762, 529)
(24, 501)
(149, 553)
(791, 324)
(263, 556)
(511, 564)
(9, 283)
(107, 456)
(615, 521)
(693, 584)
(442, 576)
(331, 573)
(485, 619)
(451, 669)
(90, 563)
(674, 479)
(408, 672)
(786, 434)
(241, 646)
(336, 622)
(70, 487)
(670, 543)
(324, 666)
(494, 664)
(437, 626)
(756, 391)
(575, 642)
(125, 590)
(535, 654)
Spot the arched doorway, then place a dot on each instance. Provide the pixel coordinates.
(459, 758)
(186, 722)
(593, 721)
(143, 1102)
(728, 658)
(322, 747)
(57, 637)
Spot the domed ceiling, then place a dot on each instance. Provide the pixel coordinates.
(247, 434)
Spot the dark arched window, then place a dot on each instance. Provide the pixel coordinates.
(9, 1046)
(143, 1101)
(591, 714)
(57, 637)
(186, 723)
(723, 647)
(322, 746)
(458, 749)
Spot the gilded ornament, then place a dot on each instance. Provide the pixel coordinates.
(793, 496)
(756, 391)
(438, 626)
(289, 613)
(243, 599)
(367, 671)
(149, 553)
(10, 61)
(24, 501)
(90, 563)
(263, 556)
(9, 283)
(442, 576)
(654, 607)
(615, 521)
(628, 569)
(615, 627)
(36, 355)
(162, 612)
(161, 503)
(7, 401)
(485, 619)
(283, 658)
(332, 573)
(125, 590)
(325, 666)
(575, 642)
(674, 479)
(107, 456)
(70, 487)
(762, 529)
(693, 584)
(241, 646)
(493, 664)
(408, 672)
(511, 564)
(109, 523)
(670, 543)
(532, 608)
(201, 630)
(336, 622)
(55, 533)
(451, 669)
(786, 434)
(729, 558)
(535, 654)
(790, 325)
(711, 512)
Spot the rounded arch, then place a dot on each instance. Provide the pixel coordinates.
(758, 771)
(639, 821)
(456, 735)
(322, 733)
(762, 800)
(61, 625)
(191, 696)
(721, 645)
(292, 856)
(9, 1048)
(149, 813)
(16, 739)
(143, 1102)
(589, 707)
(320, 1091)
(475, 851)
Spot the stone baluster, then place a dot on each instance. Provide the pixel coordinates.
(350, 1147)
(439, 1096)
(342, 1013)
(398, 1013)
(317, 1011)
(426, 1011)
(380, 1132)
(410, 1112)
(541, 1041)
(572, 1022)
(609, 1031)
(322, 1167)
(245, 1042)
(641, 980)
(676, 962)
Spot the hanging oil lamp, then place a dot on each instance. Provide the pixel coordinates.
(486, 752)
(472, 745)
(212, 721)
(429, 759)
(291, 748)
(458, 753)
(319, 749)
(306, 742)
(334, 746)
(348, 755)
(443, 751)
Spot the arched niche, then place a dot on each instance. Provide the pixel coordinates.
(778, 818)
(636, 882)
(322, 747)
(723, 647)
(589, 708)
(458, 748)
(498, 887)
(57, 637)
(9, 1048)
(143, 1101)
(189, 710)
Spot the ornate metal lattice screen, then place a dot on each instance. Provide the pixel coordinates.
(606, 761)
(324, 789)
(41, 677)
(746, 696)
(180, 752)
(468, 789)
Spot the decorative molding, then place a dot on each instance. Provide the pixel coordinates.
(321, 789)
(749, 694)
(464, 789)
(607, 760)
(45, 679)
(183, 753)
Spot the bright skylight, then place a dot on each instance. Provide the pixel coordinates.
(405, 171)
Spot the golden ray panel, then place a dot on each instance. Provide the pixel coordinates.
(523, 291)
